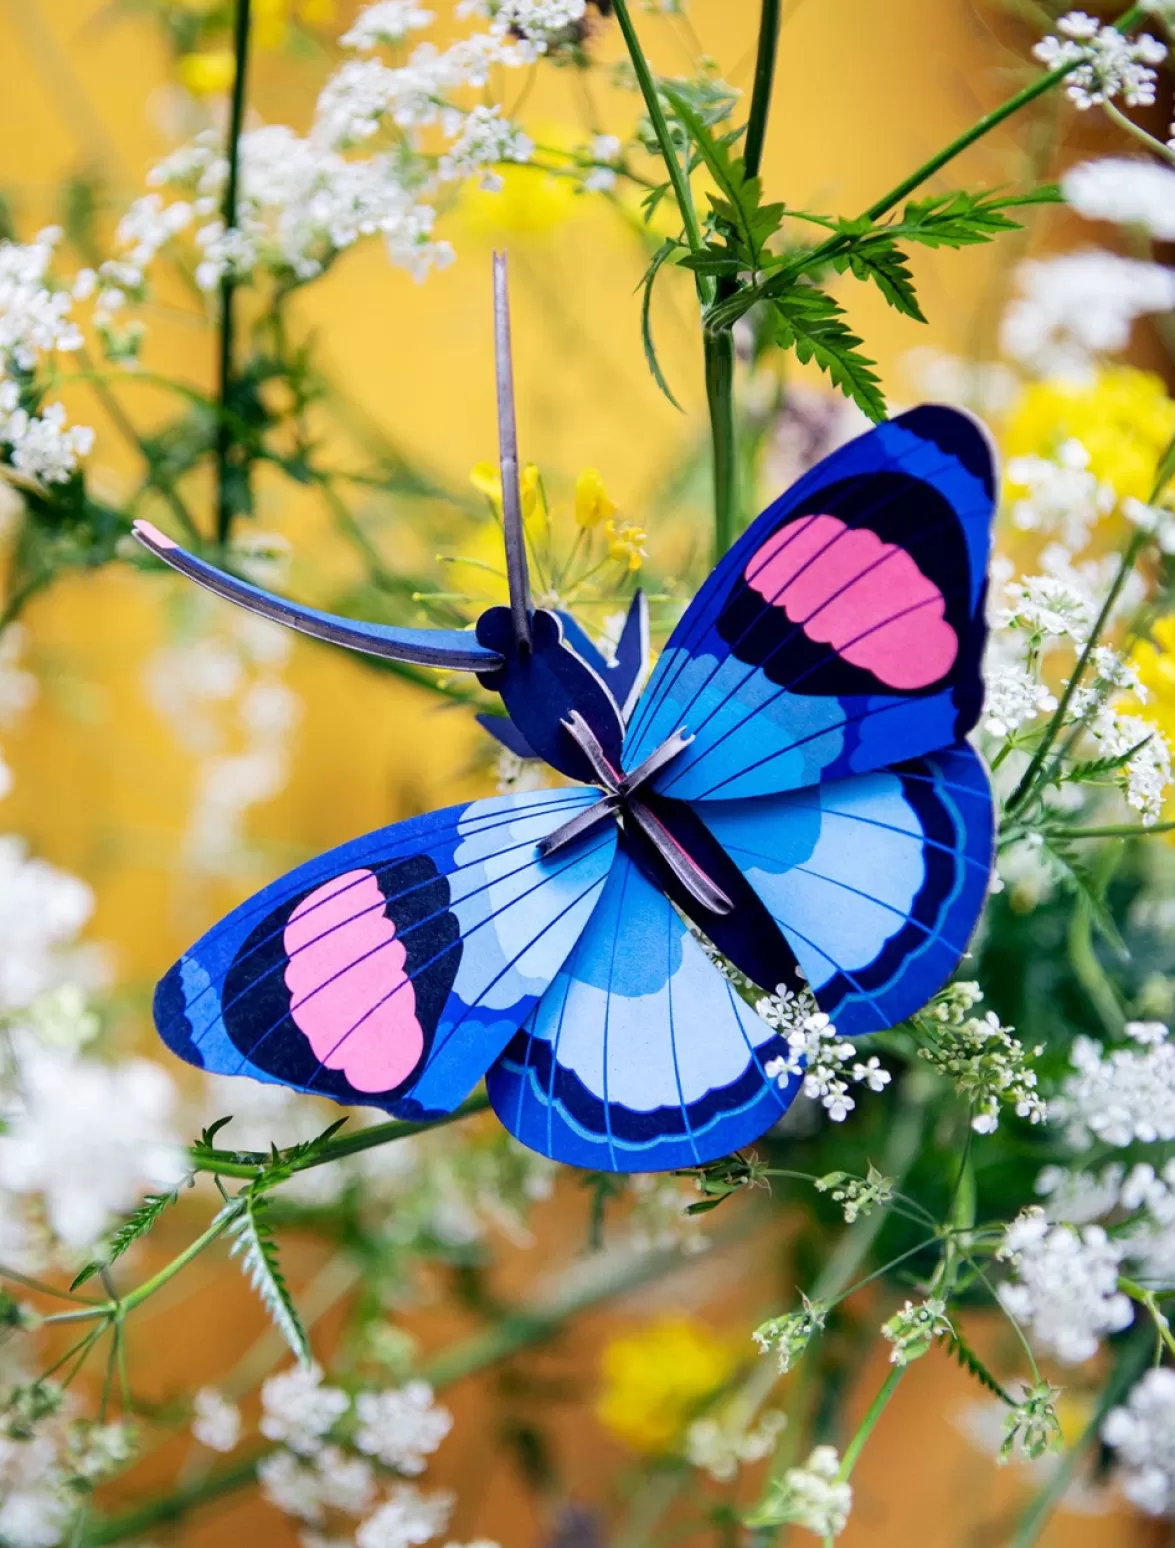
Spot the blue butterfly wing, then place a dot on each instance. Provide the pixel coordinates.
(640, 1056)
(844, 630)
(876, 881)
(392, 971)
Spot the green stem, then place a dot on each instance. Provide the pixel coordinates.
(172, 1507)
(1155, 146)
(865, 1428)
(1028, 783)
(225, 500)
(1036, 1518)
(769, 18)
(677, 174)
(1111, 830)
(718, 352)
(247, 1163)
(1150, 1301)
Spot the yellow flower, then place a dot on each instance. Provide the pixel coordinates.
(657, 1379)
(208, 73)
(486, 478)
(1123, 418)
(626, 543)
(592, 504)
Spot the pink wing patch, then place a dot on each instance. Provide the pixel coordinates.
(866, 598)
(349, 993)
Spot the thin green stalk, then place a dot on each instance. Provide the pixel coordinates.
(1036, 1518)
(855, 1447)
(1155, 146)
(1150, 1301)
(1028, 782)
(718, 353)
(769, 18)
(1110, 830)
(677, 174)
(247, 1163)
(224, 470)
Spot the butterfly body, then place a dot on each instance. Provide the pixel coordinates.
(791, 784)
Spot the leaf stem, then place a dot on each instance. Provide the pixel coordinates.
(1111, 830)
(225, 500)
(769, 18)
(718, 355)
(865, 1428)
(1028, 782)
(1035, 1519)
(247, 1163)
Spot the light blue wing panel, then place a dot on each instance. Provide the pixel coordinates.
(843, 631)
(640, 1057)
(876, 881)
(392, 971)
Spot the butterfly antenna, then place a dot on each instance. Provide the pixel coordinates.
(516, 567)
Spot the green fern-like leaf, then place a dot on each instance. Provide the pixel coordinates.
(810, 322)
(664, 252)
(883, 262)
(254, 1244)
(137, 1224)
(1091, 769)
(971, 1362)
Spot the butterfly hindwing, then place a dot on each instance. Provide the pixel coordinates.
(640, 1056)
(393, 970)
(876, 881)
(844, 629)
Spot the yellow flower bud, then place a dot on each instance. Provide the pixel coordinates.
(592, 504)
(209, 73)
(531, 489)
(487, 480)
(625, 543)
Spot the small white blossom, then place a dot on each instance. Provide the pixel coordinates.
(1048, 607)
(486, 138)
(386, 22)
(1065, 1290)
(34, 317)
(1147, 773)
(1077, 307)
(1032, 1428)
(89, 1138)
(216, 1422)
(789, 1336)
(857, 1195)
(542, 22)
(911, 1332)
(1013, 696)
(1155, 519)
(1109, 64)
(1142, 1436)
(299, 1410)
(42, 445)
(720, 1445)
(405, 1519)
(816, 1054)
(987, 1064)
(401, 1427)
(1117, 1097)
(1127, 192)
(1063, 496)
(813, 1496)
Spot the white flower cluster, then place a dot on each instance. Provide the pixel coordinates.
(1080, 306)
(1048, 607)
(788, 1336)
(35, 321)
(857, 1196)
(1126, 191)
(302, 200)
(310, 1475)
(1146, 774)
(1013, 694)
(1119, 1096)
(1065, 1286)
(1061, 495)
(813, 1496)
(987, 1064)
(1142, 1436)
(1145, 1198)
(911, 1332)
(216, 1423)
(50, 1460)
(1109, 64)
(815, 1052)
(720, 1445)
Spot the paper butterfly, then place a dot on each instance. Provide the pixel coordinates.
(793, 779)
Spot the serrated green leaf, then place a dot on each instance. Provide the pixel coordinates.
(971, 1362)
(137, 1224)
(253, 1242)
(1091, 769)
(887, 266)
(810, 322)
(663, 253)
(1090, 891)
(964, 219)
